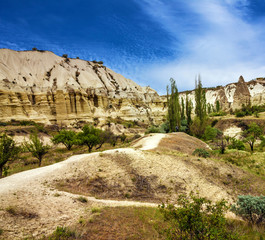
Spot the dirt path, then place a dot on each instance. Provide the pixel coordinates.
(150, 142)
(38, 207)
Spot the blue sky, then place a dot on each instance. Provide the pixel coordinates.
(148, 41)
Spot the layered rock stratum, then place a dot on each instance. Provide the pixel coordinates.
(43, 87)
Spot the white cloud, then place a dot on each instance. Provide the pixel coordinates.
(216, 42)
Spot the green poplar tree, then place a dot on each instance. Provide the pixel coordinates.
(182, 109)
(200, 99)
(188, 110)
(173, 106)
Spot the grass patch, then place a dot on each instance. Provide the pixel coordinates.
(14, 211)
(82, 199)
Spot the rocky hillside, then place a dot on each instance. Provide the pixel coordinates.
(233, 95)
(41, 86)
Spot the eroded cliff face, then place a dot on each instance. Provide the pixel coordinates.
(234, 95)
(44, 87)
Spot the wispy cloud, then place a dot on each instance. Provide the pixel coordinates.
(215, 39)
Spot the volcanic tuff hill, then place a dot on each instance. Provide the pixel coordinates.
(41, 86)
(44, 87)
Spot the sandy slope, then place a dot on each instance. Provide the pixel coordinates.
(31, 192)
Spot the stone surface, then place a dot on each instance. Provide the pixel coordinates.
(44, 87)
(41, 86)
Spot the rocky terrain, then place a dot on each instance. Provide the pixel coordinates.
(233, 95)
(34, 202)
(43, 87)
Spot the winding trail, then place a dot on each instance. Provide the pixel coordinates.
(149, 142)
(33, 192)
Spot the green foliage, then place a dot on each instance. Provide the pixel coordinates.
(62, 233)
(89, 136)
(217, 106)
(198, 127)
(236, 144)
(66, 137)
(153, 129)
(200, 99)
(196, 218)
(251, 134)
(8, 151)
(82, 199)
(216, 114)
(188, 105)
(173, 106)
(182, 114)
(201, 152)
(240, 114)
(65, 56)
(210, 133)
(36, 147)
(250, 110)
(250, 208)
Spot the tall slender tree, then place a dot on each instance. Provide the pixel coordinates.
(173, 106)
(188, 106)
(182, 109)
(200, 99)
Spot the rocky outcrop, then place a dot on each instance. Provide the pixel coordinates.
(44, 87)
(241, 95)
(234, 95)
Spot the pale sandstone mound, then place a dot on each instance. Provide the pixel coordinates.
(44, 87)
(233, 95)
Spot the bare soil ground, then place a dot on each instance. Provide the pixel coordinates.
(34, 202)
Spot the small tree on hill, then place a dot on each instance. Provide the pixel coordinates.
(67, 138)
(89, 137)
(8, 151)
(173, 106)
(251, 134)
(37, 148)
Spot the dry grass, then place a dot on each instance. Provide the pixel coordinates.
(17, 212)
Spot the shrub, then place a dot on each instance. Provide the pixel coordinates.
(236, 144)
(65, 56)
(210, 133)
(153, 129)
(1, 231)
(201, 153)
(82, 199)
(62, 233)
(196, 218)
(250, 208)
(240, 114)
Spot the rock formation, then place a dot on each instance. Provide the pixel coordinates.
(234, 95)
(41, 86)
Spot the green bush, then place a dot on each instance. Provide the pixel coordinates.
(210, 133)
(152, 129)
(250, 208)
(196, 218)
(240, 114)
(201, 153)
(62, 233)
(236, 144)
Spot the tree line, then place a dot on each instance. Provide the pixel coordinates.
(89, 136)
